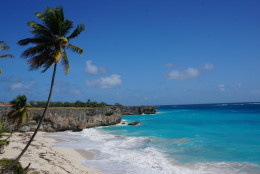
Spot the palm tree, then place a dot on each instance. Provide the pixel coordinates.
(4, 47)
(51, 41)
(20, 112)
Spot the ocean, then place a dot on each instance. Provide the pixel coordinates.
(178, 139)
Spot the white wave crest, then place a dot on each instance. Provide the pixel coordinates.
(116, 154)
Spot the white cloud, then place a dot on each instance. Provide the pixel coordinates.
(208, 66)
(239, 86)
(93, 69)
(169, 65)
(183, 75)
(221, 87)
(75, 91)
(11, 79)
(256, 92)
(21, 86)
(106, 82)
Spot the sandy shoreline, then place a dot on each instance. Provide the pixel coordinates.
(47, 158)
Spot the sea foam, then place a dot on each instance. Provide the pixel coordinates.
(116, 154)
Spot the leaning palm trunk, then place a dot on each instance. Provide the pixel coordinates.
(38, 127)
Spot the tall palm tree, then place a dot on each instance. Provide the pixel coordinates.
(20, 112)
(4, 47)
(51, 40)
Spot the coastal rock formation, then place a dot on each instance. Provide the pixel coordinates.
(76, 119)
(137, 110)
(134, 123)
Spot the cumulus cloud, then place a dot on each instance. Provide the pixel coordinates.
(93, 69)
(221, 87)
(75, 91)
(256, 92)
(106, 82)
(21, 86)
(11, 79)
(169, 65)
(183, 75)
(208, 66)
(239, 85)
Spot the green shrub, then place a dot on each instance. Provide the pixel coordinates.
(16, 169)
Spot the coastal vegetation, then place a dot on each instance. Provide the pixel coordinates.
(16, 169)
(3, 133)
(50, 40)
(20, 111)
(4, 47)
(78, 103)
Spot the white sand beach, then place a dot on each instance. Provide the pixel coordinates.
(47, 158)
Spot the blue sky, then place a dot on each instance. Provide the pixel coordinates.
(143, 52)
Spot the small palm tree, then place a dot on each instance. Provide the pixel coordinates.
(4, 47)
(20, 112)
(51, 40)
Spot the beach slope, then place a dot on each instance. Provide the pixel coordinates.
(45, 157)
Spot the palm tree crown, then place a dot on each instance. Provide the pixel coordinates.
(51, 40)
(20, 110)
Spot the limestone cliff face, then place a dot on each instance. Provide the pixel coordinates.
(76, 119)
(61, 119)
(137, 110)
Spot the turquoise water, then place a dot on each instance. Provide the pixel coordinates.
(188, 139)
(200, 133)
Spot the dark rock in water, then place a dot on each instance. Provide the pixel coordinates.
(78, 129)
(134, 123)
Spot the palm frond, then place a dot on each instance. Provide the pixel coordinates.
(38, 49)
(77, 31)
(23, 116)
(32, 41)
(53, 19)
(18, 102)
(65, 62)
(4, 46)
(47, 64)
(48, 18)
(75, 49)
(67, 25)
(6, 55)
(40, 30)
(16, 112)
(40, 60)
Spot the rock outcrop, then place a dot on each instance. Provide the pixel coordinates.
(137, 110)
(134, 123)
(76, 119)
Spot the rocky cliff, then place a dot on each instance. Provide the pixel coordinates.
(61, 119)
(137, 110)
(77, 119)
